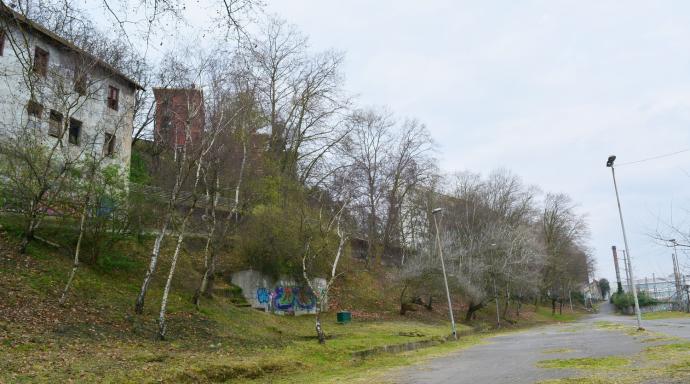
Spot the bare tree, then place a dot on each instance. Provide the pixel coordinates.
(409, 166)
(185, 163)
(216, 96)
(319, 247)
(300, 95)
(367, 148)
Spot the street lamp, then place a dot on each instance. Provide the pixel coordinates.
(443, 268)
(609, 164)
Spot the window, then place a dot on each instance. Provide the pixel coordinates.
(55, 124)
(34, 109)
(109, 145)
(2, 41)
(79, 81)
(113, 96)
(74, 131)
(40, 62)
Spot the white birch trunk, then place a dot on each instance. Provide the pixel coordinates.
(77, 249)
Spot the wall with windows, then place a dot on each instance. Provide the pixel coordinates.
(57, 93)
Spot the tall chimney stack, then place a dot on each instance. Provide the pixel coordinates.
(618, 273)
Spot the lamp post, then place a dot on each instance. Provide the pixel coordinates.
(609, 163)
(443, 268)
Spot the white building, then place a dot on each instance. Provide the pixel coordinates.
(54, 91)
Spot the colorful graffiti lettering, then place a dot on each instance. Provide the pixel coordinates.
(287, 299)
(262, 295)
(283, 299)
(304, 298)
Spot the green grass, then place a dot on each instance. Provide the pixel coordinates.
(606, 362)
(665, 315)
(544, 314)
(557, 350)
(96, 336)
(579, 380)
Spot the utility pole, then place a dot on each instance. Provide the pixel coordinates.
(609, 163)
(443, 268)
(676, 276)
(656, 294)
(687, 295)
(618, 272)
(680, 286)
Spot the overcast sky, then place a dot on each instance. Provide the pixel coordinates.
(547, 89)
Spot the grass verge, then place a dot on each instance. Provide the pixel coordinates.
(665, 315)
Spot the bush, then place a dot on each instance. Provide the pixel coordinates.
(578, 297)
(624, 300)
(270, 242)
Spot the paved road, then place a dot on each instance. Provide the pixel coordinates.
(512, 358)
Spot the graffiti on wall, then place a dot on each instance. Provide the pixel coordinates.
(287, 299)
(262, 295)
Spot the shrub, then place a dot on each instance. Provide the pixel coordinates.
(624, 300)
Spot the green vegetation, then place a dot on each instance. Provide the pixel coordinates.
(580, 380)
(46, 342)
(557, 350)
(626, 300)
(665, 315)
(566, 316)
(138, 168)
(607, 362)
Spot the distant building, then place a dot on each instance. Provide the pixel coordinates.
(53, 90)
(592, 291)
(179, 116)
(660, 288)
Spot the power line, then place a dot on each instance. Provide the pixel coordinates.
(654, 158)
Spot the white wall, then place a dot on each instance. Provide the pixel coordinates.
(252, 282)
(56, 91)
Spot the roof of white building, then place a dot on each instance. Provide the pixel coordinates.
(38, 28)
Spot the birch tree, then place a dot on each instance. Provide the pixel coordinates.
(217, 94)
(184, 163)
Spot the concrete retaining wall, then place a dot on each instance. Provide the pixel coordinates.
(284, 296)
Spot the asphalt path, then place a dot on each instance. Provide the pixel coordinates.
(512, 357)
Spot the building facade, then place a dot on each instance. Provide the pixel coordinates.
(179, 116)
(56, 93)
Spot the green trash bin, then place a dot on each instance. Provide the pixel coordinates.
(344, 317)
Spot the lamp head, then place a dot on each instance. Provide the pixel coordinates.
(609, 162)
(436, 210)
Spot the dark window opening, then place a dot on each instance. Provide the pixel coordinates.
(41, 62)
(74, 131)
(34, 108)
(113, 97)
(55, 124)
(2, 42)
(79, 81)
(109, 145)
